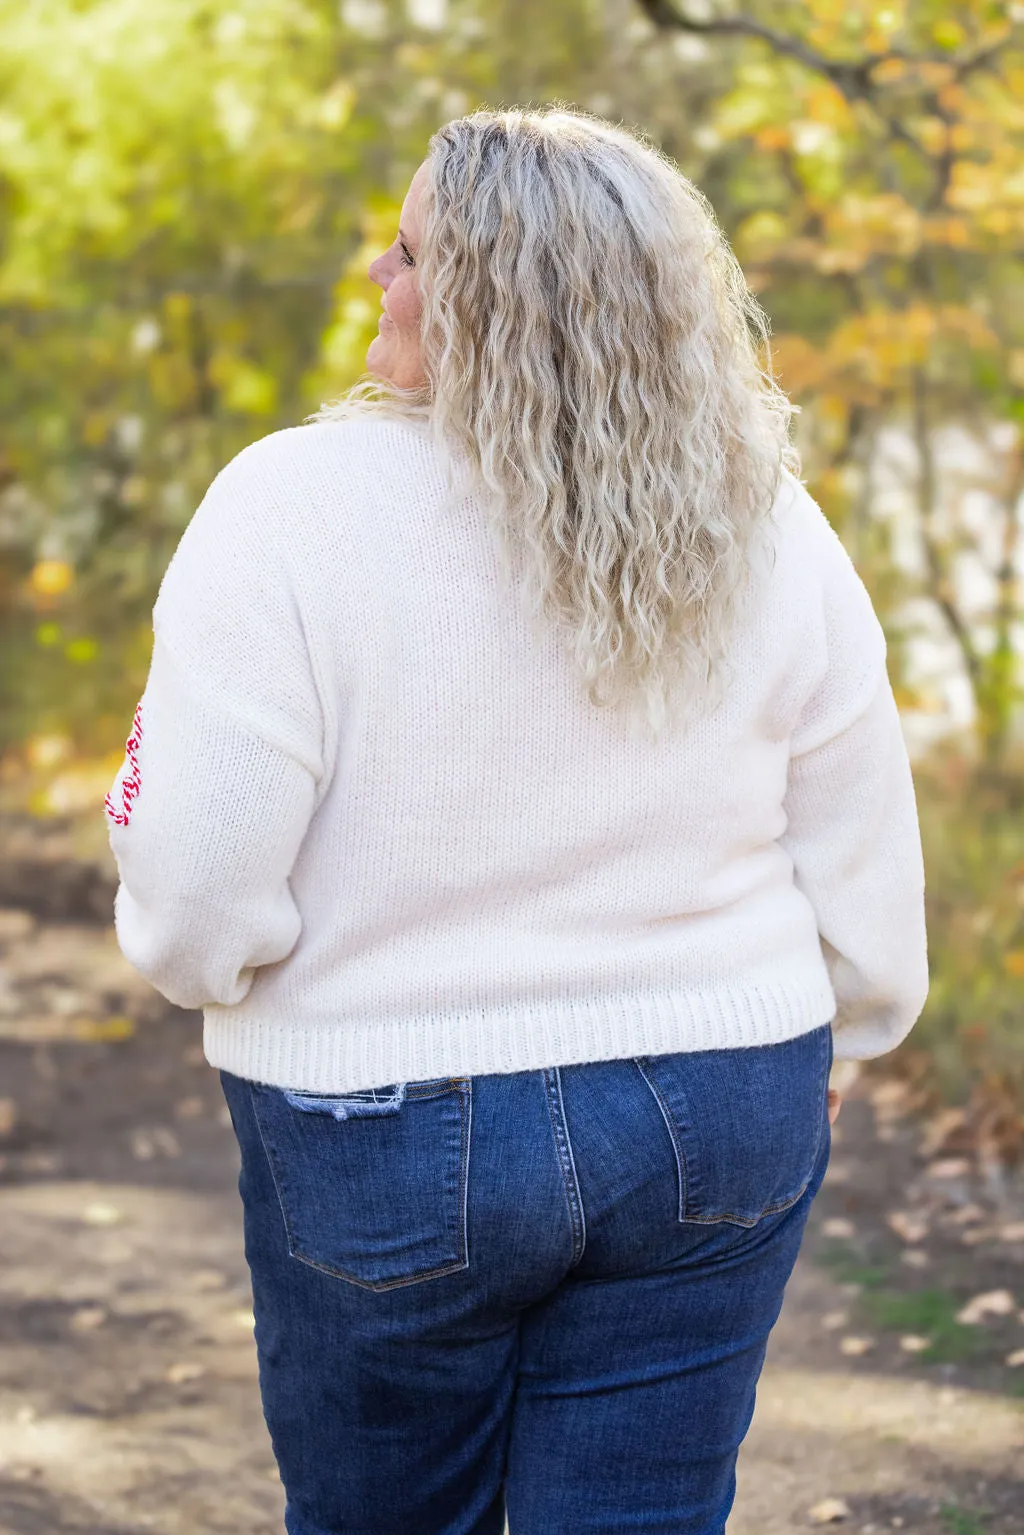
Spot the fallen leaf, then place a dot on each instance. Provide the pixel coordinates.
(989, 1303)
(834, 1319)
(157, 1141)
(209, 1279)
(853, 1347)
(1013, 1231)
(907, 1226)
(911, 1343)
(829, 1511)
(180, 1374)
(1016, 1359)
(940, 1128)
(97, 1029)
(948, 1167)
(87, 1318)
(838, 1226)
(15, 924)
(243, 1319)
(889, 1093)
(101, 1215)
(8, 1115)
(915, 1258)
(963, 1216)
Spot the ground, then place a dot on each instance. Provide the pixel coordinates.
(128, 1398)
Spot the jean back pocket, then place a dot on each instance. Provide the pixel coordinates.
(746, 1124)
(372, 1185)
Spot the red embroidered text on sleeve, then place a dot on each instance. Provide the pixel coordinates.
(131, 783)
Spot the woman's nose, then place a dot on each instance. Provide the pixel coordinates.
(376, 274)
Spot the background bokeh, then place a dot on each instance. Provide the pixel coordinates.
(190, 191)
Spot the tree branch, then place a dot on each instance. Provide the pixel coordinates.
(851, 77)
(664, 15)
(927, 491)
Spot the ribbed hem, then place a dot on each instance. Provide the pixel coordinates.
(339, 1057)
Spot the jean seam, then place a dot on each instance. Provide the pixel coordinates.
(748, 1222)
(455, 1266)
(783, 1204)
(674, 1136)
(729, 1218)
(566, 1161)
(273, 1169)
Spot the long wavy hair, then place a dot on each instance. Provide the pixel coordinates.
(598, 368)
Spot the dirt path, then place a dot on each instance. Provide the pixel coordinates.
(128, 1398)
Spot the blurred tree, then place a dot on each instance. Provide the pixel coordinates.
(870, 158)
(190, 191)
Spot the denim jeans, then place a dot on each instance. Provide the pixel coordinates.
(542, 1294)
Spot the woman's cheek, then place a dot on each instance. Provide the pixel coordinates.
(405, 310)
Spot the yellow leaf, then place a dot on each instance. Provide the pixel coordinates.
(99, 1029)
(775, 136)
(933, 134)
(95, 428)
(888, 71)
(761, 234)
(82, 651)
(998, 221)
(49, 578)
(1013, 963)
(948, 33)
(336, 106)
(44, 751)
(826, 104)
(177, 306)
(244, 387)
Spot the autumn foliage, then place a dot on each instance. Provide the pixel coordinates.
(190, 193)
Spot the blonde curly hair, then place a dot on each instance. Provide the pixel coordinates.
(597, 365)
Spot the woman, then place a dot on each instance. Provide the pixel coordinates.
(519, 789)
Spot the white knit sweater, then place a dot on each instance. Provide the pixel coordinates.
(371, 824)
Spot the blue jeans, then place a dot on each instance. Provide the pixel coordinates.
(546, 1293)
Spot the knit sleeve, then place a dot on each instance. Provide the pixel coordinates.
(853, 831)
(224, 764)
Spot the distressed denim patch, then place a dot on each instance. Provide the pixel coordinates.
(365, 1103)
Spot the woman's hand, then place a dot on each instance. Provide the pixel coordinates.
(834, 1102)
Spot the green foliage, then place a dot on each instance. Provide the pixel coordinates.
(973, 835)
(928, 1313)
(847, 1267)
(190, 193)
(931, 1314)
(958, 1522)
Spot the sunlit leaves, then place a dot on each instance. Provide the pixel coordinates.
(190, 194)
(50, 578)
